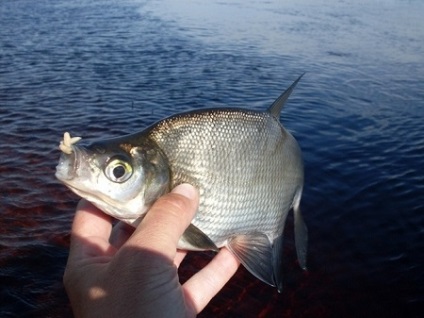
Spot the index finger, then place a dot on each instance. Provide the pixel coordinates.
(90, 232)
(166, 221)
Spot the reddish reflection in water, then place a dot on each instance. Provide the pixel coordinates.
(35, 221)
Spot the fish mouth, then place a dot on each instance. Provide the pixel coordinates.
(69, 164)
(106, 205)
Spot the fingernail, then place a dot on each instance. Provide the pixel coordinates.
(186, 190)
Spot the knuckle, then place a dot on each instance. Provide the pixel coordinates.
(174, 203)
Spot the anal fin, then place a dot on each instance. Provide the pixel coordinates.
(195, 240)
(255, 252)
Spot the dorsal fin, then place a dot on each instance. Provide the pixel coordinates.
(275, 108)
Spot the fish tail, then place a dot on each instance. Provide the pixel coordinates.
(300, 232)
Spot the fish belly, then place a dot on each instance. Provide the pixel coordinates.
(246, 166)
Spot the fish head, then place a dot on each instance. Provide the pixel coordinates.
(119, 176)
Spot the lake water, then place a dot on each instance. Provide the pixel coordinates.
(104, 68)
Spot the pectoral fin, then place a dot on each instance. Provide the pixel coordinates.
(194, 239)
(259, 256)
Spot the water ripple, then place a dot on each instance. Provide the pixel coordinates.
(100, 69)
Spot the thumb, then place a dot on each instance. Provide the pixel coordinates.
(167, 220)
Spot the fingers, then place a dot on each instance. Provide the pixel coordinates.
(90, 221)
(121, 232)
(166, 221)
(205, 284)
(89, 240)
(179, 257)
(90, 232)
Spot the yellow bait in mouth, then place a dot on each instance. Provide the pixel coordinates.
(67, 142)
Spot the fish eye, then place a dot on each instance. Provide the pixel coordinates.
(118, 170)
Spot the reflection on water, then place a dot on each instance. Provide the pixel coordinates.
(356, 30)
(101, 69)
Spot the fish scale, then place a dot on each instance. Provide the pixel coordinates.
(233, 136)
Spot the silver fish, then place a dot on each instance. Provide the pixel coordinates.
(247, 167)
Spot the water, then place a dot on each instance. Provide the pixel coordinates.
(101, 69)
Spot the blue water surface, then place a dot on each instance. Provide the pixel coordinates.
(104, 68)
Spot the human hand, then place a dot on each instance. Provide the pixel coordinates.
(117, 273)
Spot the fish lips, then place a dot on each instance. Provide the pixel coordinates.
(70, 166)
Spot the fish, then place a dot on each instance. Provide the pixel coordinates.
(247, 168)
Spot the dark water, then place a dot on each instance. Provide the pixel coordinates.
(105, 68)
